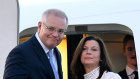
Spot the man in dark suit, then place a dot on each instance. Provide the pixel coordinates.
(131, 71)
(38, 57)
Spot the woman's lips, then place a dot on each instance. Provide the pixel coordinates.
(88, 58)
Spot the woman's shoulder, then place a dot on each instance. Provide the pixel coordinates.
(110, 75)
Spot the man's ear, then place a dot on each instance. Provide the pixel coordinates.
(39, 26)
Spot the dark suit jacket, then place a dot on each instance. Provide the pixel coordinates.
(29, 61)
(123, 74)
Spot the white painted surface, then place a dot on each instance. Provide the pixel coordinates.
(85, 12)
(8, 30)
(90, 12)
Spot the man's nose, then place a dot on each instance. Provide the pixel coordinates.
(55, 33)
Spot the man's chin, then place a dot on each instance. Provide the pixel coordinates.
(52, 46)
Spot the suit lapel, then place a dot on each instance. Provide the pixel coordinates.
(123, 74)
(58, 57)
(42, 56)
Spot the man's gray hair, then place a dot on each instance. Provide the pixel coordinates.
(54, 12)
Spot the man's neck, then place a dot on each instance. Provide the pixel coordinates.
(134, 67)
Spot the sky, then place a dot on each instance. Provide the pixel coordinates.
(31, 10)
(80, 11)
(37, 2)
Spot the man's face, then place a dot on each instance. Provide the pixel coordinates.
(130, 53)
(49, 32)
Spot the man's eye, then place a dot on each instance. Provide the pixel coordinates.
(61, 31)
(130, 49)
(51, 29)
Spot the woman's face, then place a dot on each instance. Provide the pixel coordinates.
(90, 54)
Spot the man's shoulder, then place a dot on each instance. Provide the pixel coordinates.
(122, 72)
(26, 45)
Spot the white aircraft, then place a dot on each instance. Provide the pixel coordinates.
(109, 19)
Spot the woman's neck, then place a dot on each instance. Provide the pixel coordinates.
(89, 68)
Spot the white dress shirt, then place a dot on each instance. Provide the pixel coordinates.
(129, 72)
(106, 75)
(46, 51)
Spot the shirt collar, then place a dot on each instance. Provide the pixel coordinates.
(129, 70)
(43, 46)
